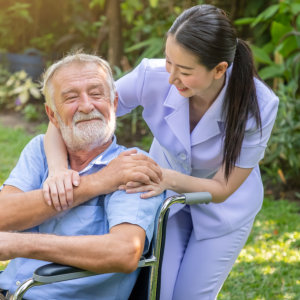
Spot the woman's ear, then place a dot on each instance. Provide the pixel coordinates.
(220, 69)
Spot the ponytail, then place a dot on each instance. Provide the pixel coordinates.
(240, 104)
(206, 31)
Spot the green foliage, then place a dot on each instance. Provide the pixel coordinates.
(12, 141)
(283, 152)
(16, 89)
(11, 17)
(278, 60)
(132, 130)
(31, 112)
(269, 265)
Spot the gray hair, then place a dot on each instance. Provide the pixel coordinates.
(80, 57)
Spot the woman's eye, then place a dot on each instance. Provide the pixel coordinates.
(185, 74)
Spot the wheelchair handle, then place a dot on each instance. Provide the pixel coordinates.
(198, 198)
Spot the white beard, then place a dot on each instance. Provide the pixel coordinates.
(88, 135)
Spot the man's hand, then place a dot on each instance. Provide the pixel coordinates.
(58, 188)
(131, 166)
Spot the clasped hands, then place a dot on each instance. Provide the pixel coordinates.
(130, 171)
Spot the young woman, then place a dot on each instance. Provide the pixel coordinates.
(211, 117)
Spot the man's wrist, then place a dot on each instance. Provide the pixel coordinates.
(93, 185)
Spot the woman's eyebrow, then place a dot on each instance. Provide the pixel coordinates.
(185, 67)
(180, 66)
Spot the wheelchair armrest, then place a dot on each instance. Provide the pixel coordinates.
(198, 198)
(55, 273)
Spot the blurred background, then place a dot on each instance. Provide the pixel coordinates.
(34, 33)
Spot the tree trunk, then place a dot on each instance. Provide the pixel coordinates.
(115, 45)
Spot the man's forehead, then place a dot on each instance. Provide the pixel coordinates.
(76, 73)
(80, 69)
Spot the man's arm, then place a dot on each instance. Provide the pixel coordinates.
(22, 210)
(117, 251)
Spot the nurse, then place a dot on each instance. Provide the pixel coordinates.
(211, 117)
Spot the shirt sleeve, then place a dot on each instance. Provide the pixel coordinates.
(30, 169)
(129, 89)
(131, 208)
(255, 140)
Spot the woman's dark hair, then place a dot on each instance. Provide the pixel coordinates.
(206, 31)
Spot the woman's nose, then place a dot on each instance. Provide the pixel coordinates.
(173, 76)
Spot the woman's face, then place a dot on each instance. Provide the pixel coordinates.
(186, 74)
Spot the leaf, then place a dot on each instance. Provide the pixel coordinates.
(24, 97)
(244, 21)
(278, 30)
(149, 42)
(287, 46)
(261, 55)
(266, 14)
(271, 71)
(295, 8)
(35, 92)
(153, 3)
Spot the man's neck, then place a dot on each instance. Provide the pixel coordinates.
(81, 158)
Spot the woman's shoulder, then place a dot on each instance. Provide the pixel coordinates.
(264, 93)
(154, 64)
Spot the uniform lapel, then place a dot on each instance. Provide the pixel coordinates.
(178, 118)
(212, 123)
(209, 125)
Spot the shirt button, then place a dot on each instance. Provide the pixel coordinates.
(182, 156)
(18, 283)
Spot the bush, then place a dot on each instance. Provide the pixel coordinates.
(16, 89)
(278, 61)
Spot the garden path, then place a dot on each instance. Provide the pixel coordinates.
(16, 120)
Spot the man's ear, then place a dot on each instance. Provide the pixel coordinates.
(51, 115)
(220, 69)
(116, 101)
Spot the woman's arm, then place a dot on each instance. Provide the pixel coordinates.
(219, 188)
(58, 188)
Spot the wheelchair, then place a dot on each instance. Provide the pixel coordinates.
(147, 285)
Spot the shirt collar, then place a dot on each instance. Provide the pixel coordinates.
(103, 158)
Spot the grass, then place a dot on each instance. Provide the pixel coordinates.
(268, 267)
(12, 141)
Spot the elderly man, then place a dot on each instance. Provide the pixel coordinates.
(106, 233)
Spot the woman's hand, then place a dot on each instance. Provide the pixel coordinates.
(148, 190)
(131, 166)
(58, 188)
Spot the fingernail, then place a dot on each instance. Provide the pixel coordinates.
(76, 183)
(49, 203)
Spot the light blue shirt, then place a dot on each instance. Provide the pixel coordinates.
(94, 217)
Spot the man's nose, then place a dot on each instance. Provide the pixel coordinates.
(85, 104)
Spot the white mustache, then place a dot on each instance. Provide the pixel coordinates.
(79, 116)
